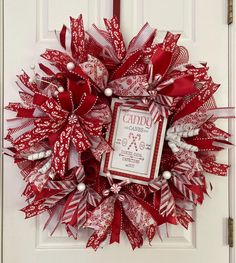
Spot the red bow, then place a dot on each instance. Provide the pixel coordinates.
(122, 209)
(70, 121)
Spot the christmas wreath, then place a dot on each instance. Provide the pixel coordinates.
(115, 138)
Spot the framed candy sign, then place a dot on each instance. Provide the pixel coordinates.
(137, 142)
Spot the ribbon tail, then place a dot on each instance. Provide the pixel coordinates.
(215, 168)
(54, 219)
(134, 236)
(167, 202)
(116, 37)
(190, 195)
(96, 239)
(100, 220)
(208, 89)
(116, 223)
(183, 217)
(61, 146)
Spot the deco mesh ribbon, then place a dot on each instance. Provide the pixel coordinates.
(57, 133)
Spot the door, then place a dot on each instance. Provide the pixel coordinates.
(29, 29)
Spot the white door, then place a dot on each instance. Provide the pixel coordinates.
(29, 26)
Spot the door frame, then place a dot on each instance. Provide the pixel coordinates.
(232, 126)
(1, 129)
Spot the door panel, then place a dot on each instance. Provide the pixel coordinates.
(29, 29)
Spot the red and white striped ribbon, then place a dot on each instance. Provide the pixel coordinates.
(72, 206)
(61, 185)
(167, 202)
(157, 110)
(165, 100)
(52, 200)
(81, 212)
(184, 190)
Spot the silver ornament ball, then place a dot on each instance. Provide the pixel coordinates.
(108, 92)
(81, 187)
(70, 66)
(166, 175)
(60, 89)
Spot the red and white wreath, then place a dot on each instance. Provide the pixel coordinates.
(62, 134)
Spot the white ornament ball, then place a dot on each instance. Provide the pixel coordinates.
(108, 92)
(60, 89)
(31, 81)
(166, 175)
(32, 66)
(56, 93)
(70, 66)
(81, 187)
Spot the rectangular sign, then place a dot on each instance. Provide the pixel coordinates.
(137, 143)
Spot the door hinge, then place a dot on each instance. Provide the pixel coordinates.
(230, 11)
(230, 232)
